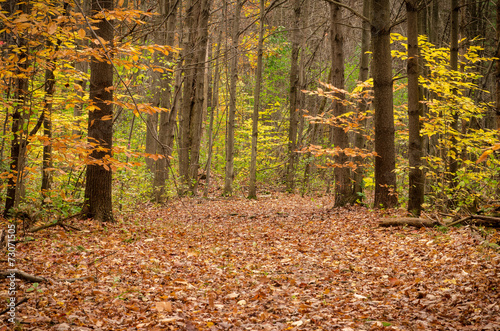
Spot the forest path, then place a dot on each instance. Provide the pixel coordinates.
(280, 262)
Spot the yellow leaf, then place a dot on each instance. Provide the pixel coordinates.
(120, 3)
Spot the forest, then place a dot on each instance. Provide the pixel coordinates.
(250, 165)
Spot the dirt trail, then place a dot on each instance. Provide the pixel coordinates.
(280, 263)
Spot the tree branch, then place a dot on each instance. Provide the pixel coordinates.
(22, 275)
(352, 10)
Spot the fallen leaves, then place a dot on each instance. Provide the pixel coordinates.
(280, 263)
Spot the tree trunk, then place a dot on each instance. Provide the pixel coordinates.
(152, 131)
(252, 190)
(228, 190)
(50, 86)
(214, 108)
(343, 186)
(19, 141)
(453, 153)
(416, 175)
(191, 111)
(294, 97)
(98, 185)
(83, 67)
(497, 78)
(385, 161)
(359, 139)
(315, 130)
(167, 118)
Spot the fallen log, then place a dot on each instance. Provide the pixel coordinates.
(408, 221)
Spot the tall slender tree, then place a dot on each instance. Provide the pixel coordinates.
(416, 175)
(343, 185)
(228, 185)
(252, 190)
(98, 185)
(453, 152)
(167, 118)
(497, 76)
(191, 112)
(364, 63)
(385, 161)
(19, 139)
(294, 96)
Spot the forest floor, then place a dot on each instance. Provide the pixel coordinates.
(282, 262)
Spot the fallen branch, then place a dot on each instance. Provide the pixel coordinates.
(72, 280)
(490, 221)
(36, 279)
(408, 221)
(59, 222)
(23, 300)
(22, 275)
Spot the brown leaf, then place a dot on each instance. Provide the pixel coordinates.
(165, 306)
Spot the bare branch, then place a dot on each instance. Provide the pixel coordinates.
(352, 10)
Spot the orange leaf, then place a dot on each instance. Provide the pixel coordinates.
(52, 27)
(484, 156)
(81, 33)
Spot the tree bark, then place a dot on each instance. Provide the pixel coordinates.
(191, 111)
(385, 161)
(214, 109)
(359, 139)
(98, 185)
(252, 190)
(82, 66)
(152, 131)
(19, 141)
(228, 190)
(343, 186)
(497, 78)
(167, 118)
(294, 97)
(50, 86)
(453, 152)
(416, 175)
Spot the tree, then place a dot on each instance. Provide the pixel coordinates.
(416, 175)
(294, 96)
(19, 115)
(453, 152)
(497, 77)
(252, 190)
(190, 123)
(385, 161)
(364, 63)
(232, 101)
(168, 116)
(98, 184)
(343, 186)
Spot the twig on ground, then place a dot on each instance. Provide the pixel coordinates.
(23, 300)
(22, 275)
(489, 220)
(59, 222)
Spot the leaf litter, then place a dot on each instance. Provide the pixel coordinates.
(283, 262)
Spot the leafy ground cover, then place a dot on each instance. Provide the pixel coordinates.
(280, 263)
